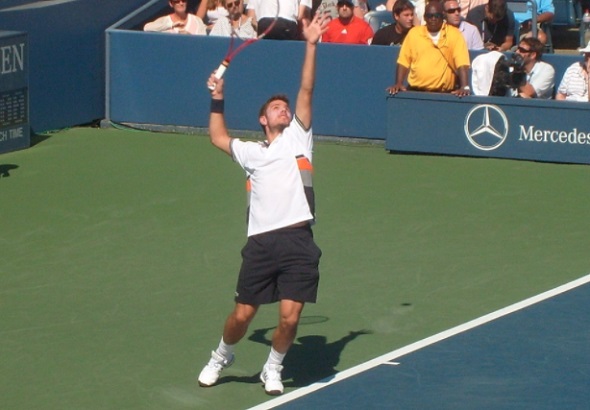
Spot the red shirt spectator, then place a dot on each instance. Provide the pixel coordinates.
(348, 28)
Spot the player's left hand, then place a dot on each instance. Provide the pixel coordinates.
(313, 30)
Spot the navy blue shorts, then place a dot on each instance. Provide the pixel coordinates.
(281, 264)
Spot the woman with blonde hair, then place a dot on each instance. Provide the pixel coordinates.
(179, 21)
(211, 10)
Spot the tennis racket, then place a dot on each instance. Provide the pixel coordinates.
(232, 52)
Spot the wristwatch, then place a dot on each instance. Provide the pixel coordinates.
(467, 88)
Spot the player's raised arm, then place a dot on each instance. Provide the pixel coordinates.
(312, 33)
(217, 129)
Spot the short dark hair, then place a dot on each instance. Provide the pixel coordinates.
(535, 45)
(497, 8)
(402, 5)
(280, 97)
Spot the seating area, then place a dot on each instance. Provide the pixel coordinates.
(568, 15)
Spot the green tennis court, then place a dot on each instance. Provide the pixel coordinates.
(120, 251)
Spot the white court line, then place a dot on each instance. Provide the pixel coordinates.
(421, 344)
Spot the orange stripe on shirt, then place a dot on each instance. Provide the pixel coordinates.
(304, 164)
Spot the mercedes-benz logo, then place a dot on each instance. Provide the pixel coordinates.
(486, 127)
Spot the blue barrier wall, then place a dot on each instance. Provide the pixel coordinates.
(546, 130)
(67, 62)
(160, 79)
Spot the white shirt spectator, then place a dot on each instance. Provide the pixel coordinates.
(288, 9)
(542, 79)
(223, 28)
(471, 36)
(574, 84)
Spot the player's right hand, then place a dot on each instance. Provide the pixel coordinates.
(215, 85)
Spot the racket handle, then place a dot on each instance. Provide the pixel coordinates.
(220, 71)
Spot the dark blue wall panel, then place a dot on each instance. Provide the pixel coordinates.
(67, 52)
(160, 79)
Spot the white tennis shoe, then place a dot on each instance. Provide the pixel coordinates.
(211, 372)
(271, 377)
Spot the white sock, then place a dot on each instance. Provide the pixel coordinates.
(225, 350)
(275, 357)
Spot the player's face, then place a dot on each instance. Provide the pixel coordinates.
(278, 114)
(452, 13)
(405, 19)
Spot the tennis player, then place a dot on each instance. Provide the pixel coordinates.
(280, 259)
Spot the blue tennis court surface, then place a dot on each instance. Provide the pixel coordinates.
(531, 355)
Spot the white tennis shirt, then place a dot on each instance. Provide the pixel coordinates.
(278, 175)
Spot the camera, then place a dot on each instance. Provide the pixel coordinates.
(508, 74)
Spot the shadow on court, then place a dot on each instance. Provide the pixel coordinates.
(310, 358)
(38, 138)
(5, 170)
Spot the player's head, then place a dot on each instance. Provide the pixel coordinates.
(275, 114)
(403, 14)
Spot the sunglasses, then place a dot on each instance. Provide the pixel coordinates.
(433, 15)
(453, 10)
(344, 3)
(177, 1)
(230, 5)
(523, 50)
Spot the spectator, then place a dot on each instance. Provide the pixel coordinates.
(495, 23)
(236, 21)
(540, 76)
(210, 11)
(418, 9)
(179, 21)
(433, 57)
(329, 7)
(574, 84)
(291, 15)
(394, 34)
(347, 28)
(469, 31)
(545, 13)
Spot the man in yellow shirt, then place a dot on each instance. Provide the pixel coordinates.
(433, 57)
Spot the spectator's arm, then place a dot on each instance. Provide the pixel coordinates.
(545, 17)
(507, 44)
(202, 10)
(252, 14)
